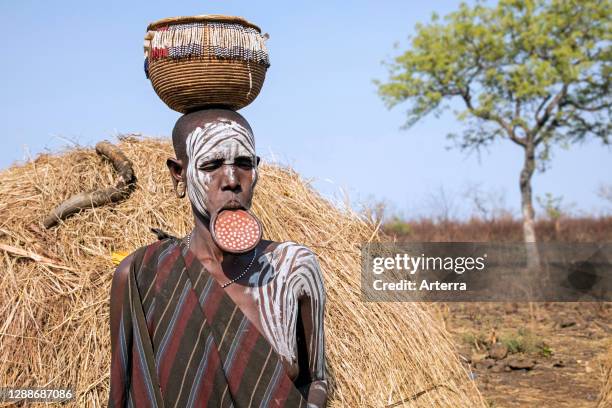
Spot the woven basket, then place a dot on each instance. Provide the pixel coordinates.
(205, 61)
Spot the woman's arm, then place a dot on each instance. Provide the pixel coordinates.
(311, 337)
(120, 336)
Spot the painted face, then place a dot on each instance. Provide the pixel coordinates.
(222, 169)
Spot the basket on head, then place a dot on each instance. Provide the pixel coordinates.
(205, 61)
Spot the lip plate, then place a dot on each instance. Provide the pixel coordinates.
(213, 221)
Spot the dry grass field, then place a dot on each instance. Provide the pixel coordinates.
(54, 294)
(528, 354)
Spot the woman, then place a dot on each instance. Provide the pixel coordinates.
(194, 325)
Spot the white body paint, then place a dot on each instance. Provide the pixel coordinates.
(289, 273)
(223, 139)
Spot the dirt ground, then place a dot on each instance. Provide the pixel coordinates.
(555, 351)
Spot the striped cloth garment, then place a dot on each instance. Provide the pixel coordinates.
(182, 342)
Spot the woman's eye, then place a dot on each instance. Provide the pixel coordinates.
(212, 165)
(244, 163)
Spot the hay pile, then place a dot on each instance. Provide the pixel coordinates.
(605, 395)
(54, 319)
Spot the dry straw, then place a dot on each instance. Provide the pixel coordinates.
(605, 395)
(54, 328)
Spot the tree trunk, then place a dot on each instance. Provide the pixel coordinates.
(529, 233)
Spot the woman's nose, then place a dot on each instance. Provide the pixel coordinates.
(230, 181)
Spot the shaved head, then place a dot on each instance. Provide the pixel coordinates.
(187, 123)
(216, 149)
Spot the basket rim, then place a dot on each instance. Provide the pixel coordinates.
(220, 18)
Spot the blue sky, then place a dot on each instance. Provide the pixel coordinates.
(72, 72)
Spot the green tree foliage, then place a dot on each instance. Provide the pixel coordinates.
(534, 72)
(532, 68)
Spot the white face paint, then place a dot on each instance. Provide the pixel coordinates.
(221, 140)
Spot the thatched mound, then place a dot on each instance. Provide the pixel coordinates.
(54, 318)
(605, 395)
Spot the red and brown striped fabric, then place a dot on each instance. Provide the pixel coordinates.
(182, 342)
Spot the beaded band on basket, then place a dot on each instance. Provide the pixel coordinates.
(211, 39)
(195, 64)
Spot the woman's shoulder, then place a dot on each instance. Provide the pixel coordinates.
(143, 253)
(156, 247)
(294, 262)
(290, 250)
(290, 258)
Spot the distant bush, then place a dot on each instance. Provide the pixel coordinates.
(396, 226)
(525, 341)
(503, 229)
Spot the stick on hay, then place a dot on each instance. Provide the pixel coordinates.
(101, 197)
(31, 255)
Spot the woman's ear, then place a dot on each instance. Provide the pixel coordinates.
(175, 166)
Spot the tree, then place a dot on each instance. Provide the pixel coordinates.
(534, 72)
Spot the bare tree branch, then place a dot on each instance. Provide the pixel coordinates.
(537, 112)
(589, 108)
(97, 198)
(486, 115)
(547, 112)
